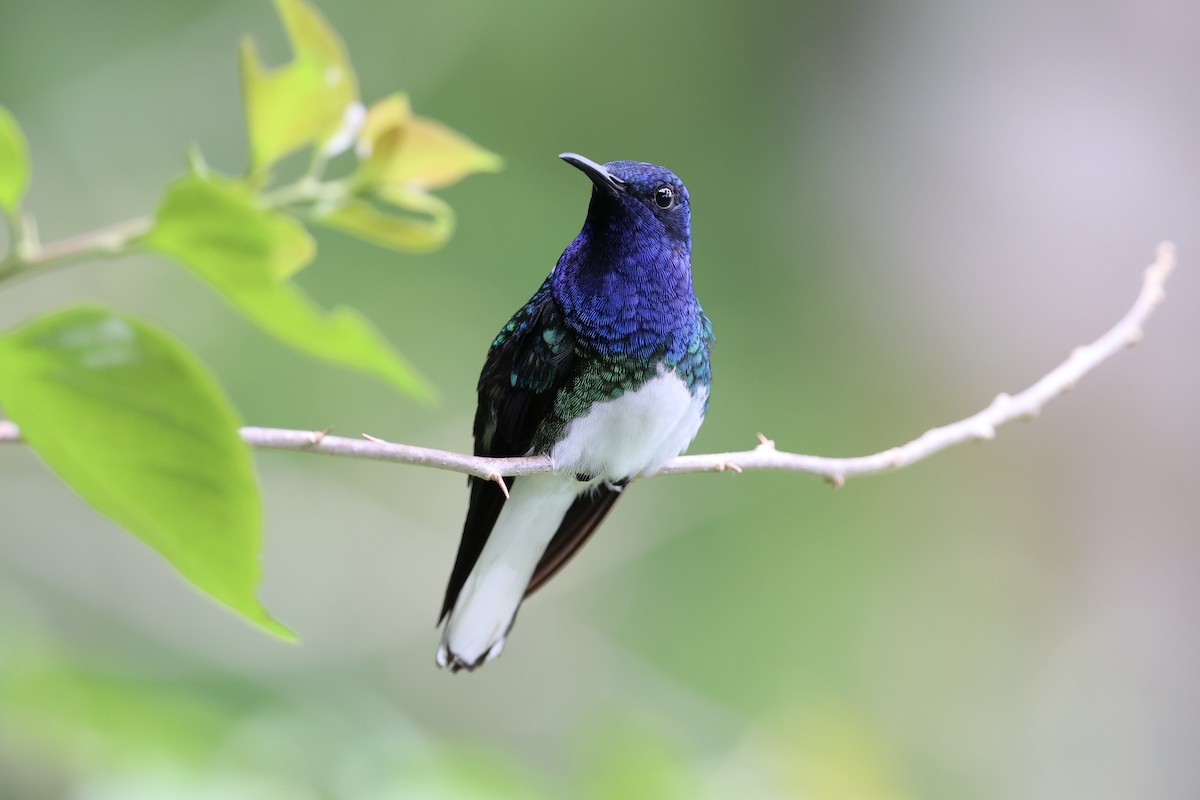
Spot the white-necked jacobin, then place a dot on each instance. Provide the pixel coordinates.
(605, 370)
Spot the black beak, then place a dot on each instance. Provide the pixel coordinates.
(600, 176)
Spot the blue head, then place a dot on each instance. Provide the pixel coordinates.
(633, 200)
(626, 279)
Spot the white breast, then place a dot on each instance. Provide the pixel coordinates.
(635, 433)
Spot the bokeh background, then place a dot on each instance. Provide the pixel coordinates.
(900, 210)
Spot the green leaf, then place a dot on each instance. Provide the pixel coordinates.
(304, 101)
(14, 163)
(131, 421)
(213, 227)
(426, 227)
(214, 220)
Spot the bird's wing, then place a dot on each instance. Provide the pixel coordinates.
(531, 359)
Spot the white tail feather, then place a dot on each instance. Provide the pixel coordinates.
(475, 630)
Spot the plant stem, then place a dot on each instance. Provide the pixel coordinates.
(14, 236)
(306, 190)
(109, 241)
(120, 238)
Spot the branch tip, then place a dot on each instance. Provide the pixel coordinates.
(1164, 263)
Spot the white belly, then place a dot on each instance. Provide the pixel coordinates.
(634, 434)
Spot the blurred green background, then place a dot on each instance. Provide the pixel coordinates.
(899, 210)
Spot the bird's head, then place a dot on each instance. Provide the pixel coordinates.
(632, 198)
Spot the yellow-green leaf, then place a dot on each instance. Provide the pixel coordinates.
(14, 163)
(407, 150)
(303, 102)
(212, 227)
(131, 421)
(379, 137)
(426, 227)
(390, 112)
(310, 34)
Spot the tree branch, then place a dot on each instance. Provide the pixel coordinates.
(979, 426)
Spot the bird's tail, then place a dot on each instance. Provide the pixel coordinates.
(488, 602)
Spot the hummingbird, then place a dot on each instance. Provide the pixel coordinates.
(606, 371)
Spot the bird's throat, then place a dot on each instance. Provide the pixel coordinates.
(629, 294)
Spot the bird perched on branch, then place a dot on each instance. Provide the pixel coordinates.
(606, 371)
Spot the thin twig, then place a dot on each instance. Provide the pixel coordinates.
(979, 426)
(110, 241)
(124, 237)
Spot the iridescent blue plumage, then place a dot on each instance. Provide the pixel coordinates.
(605, 370)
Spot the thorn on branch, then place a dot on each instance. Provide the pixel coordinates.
(317, 436)
(836, 480)
(496, 477)
(895, 458)
(374, 439)
(983, 432)
(730, 466)
(764, 443)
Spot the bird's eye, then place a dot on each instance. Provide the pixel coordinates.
(664, 197)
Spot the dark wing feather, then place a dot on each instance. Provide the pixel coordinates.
(581, 521)
(529, 361)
